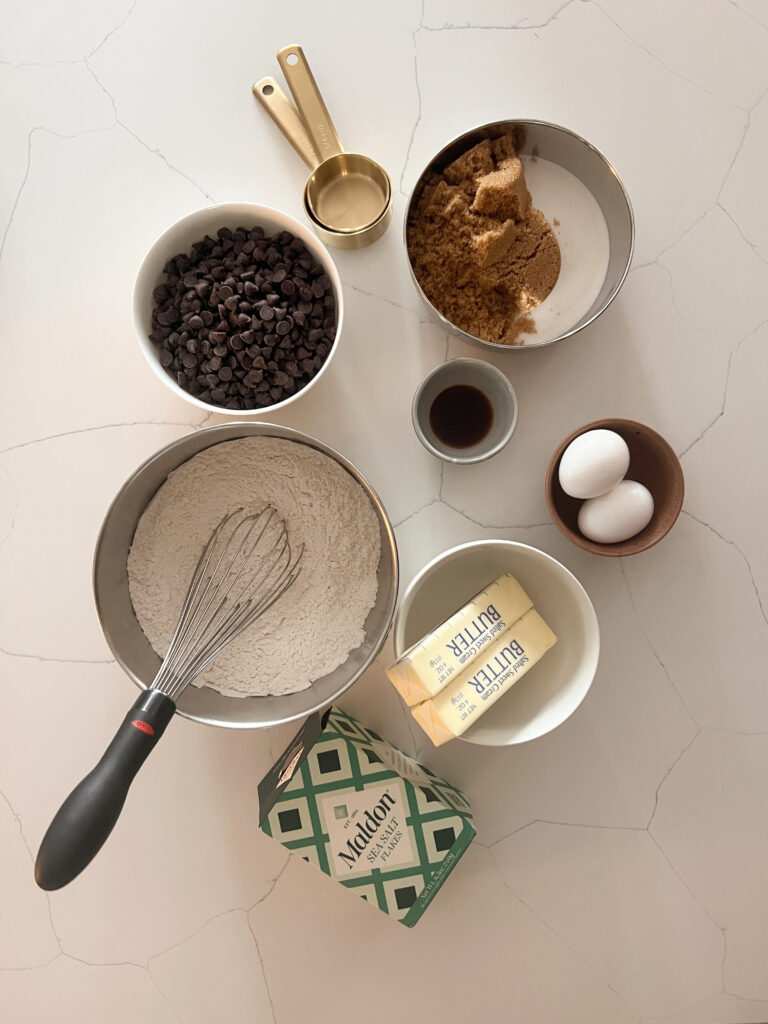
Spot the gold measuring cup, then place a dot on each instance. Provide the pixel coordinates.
(347, 197)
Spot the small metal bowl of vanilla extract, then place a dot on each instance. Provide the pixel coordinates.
(464, 411)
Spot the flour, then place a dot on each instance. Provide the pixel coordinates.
(312, 628)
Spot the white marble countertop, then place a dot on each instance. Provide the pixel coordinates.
(619, 871)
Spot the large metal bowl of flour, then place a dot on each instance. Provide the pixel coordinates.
(131, 647)
(546, 141)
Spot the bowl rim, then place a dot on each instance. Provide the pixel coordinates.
(495, 346)
(312, 242)
(466, 460)
(617, 550)
(231, 431)
(594, 638)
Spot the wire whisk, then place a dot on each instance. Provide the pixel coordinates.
(245, 567)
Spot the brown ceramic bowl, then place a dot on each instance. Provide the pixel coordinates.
(652, 462)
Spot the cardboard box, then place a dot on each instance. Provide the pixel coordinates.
(375, 820)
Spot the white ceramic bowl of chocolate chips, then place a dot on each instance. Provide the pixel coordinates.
(238, 309)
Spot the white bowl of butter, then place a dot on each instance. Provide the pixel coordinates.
(551, 691)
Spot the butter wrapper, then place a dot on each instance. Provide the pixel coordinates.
(430, 665)
(463, 701)
(374, 820)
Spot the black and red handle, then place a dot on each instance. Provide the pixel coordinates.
(89, 813)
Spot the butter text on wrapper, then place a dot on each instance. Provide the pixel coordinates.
(432, 664)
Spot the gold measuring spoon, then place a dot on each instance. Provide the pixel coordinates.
(347, 197)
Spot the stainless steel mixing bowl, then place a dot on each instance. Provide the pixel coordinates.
(124, 634)
(575, 154)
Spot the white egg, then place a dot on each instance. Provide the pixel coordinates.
(617, 515)
(593, 463)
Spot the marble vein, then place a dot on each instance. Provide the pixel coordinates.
(214, 917)
(150, 149)
(550, 928)
(739, 228)
(654, 652)
(73, 60)
(721, 411)
(12, 488)
(566, 824)
(721, 930)
(272, 884)
(192, 934)
(493, 526)
(523, 25)
(415, 32)
(104, 426)
(661, 63)
(28, 848)
(421, 508)
(164, 997)
(381, 298)
(112, 31)
(275, 880)
(25, 179)
(736, 547)
(695, 899)
(263, 970)
(731, 165)
(748, 14)
(58, 661)
(667, 774)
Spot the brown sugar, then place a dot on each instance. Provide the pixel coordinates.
(503, 193)
(482, 254)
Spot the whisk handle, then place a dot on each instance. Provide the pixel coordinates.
(89, 813)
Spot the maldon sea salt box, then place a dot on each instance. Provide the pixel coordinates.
(375, 820)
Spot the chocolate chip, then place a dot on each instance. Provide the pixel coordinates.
(243, 320)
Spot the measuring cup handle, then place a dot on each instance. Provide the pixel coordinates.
(311, 105)
(286, 117)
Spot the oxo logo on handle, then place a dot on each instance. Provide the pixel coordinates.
(143, 726)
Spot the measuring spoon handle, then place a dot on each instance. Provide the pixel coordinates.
(286, 117)
(311, 105)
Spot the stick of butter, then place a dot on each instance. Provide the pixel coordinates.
(428, 666)
(461, 703)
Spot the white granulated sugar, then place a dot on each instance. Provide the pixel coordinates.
(312, 628)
